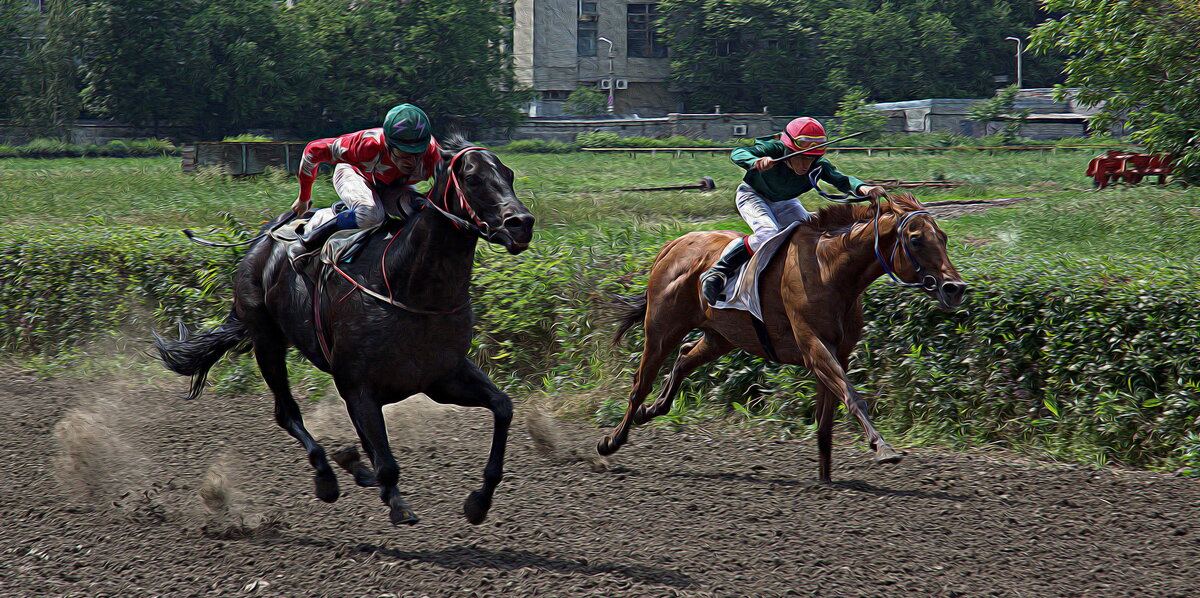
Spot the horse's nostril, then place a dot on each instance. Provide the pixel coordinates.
(518, 221)
(954, 288)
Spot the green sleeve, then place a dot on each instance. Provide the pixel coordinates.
(844, 182)
(746, 156)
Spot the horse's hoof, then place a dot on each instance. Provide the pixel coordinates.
(327, 488)
(476, 506)
(403, 516)
(605, 447)
(886, 454)
(363, 476)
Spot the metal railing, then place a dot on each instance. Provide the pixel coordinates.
(887, 150)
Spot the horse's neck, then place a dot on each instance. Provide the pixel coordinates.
(433, 267)
(848, 261)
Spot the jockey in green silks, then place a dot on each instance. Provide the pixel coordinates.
(767, 200)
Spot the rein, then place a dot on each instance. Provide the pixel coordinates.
(479, 228)
(928, 282)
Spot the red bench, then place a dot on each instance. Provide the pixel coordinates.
(1129, 168)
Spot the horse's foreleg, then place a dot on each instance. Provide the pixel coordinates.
(832, 376)
(472, 388)
(654, 353)
(692, 355)
(270, 353)
(366, 414)
(826, 407)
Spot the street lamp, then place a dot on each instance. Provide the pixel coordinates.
(611, 83)
(1018, 40)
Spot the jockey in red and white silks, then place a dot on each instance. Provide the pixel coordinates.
(402, 151)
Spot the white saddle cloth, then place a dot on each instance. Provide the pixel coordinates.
(742, 288)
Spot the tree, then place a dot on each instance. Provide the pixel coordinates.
(857, 115)
(48, 101)
(442, 55)
(585, 101)
(1137, 60)
(1002, 107)
(134, 68)
(16, 27)
(744, 55)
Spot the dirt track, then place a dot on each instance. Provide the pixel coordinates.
(120, 512)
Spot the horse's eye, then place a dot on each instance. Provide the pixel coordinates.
(915, 240)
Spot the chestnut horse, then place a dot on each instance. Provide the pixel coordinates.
(811, 299)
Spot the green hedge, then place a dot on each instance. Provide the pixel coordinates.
(117, 148)
(1088, 359)
(68, 288)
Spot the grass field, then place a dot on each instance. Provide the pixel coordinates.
(579, 190)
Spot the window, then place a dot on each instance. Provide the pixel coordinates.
(643, 40)
(555, 95)
(587, 32)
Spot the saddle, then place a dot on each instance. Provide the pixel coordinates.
(342, 246)
(741, 289)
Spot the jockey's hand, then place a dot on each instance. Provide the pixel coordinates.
(873, 191)
(300, 207)
(764, 163)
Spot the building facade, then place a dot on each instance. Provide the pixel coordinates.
(611, 46)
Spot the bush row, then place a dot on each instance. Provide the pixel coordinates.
(1089, 360)
(117, 148)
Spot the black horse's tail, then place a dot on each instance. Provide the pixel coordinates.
(631, 312)
(195, 355)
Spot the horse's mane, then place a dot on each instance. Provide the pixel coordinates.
(833, 218)
(837, 221)
(454, 141)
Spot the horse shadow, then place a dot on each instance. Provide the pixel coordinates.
(869, 488)
(465, 557)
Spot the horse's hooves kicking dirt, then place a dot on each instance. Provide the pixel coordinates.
(605, 447)
(327, 488)
(889, 455)
(403, 517)
(348, 458)
(477, 506)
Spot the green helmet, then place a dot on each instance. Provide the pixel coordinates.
(407, 129)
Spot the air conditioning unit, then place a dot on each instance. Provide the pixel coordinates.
(622, 83)
(605, 83)
(739, 130)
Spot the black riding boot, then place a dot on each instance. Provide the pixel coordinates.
(314, 238)
(712, 282)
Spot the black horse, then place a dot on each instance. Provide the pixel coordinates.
(395, 322)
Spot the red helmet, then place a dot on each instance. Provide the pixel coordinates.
(802, 133)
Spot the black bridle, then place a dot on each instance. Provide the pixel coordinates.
(928, 281)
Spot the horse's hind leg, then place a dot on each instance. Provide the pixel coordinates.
(470, 387)
(366, 413)
(692, 355)
(271, 353)
(658, 345)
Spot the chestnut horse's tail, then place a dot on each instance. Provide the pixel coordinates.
(631, 312)
(195, 355)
